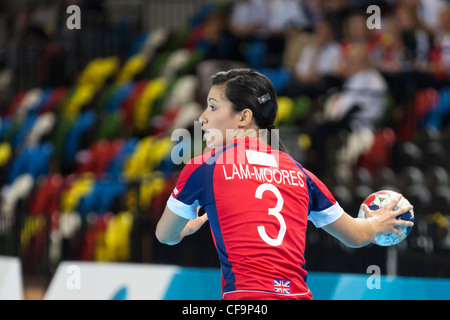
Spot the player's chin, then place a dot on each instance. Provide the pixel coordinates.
(213, 143)
(214, 138)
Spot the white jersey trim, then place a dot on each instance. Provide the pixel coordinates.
(181, 209)
(327, 216)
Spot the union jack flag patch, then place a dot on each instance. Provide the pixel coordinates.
(282, 286)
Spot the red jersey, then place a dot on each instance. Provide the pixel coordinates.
(258, 203)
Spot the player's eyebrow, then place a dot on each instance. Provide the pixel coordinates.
(212, 99)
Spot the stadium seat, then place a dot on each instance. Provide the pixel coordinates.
(441, 199)
(363, 177)
(360, 193)
(420, 197)
(343, 195)
(73, 142)
(57, 95)
(380, 154)
(409, 176)
(407, 154)
(436, 176)
(435, 154)
(383, 176)
(42, 128)
(425, 101)
(15, 103)
(46, 197)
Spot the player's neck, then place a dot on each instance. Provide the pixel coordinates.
(251, 132)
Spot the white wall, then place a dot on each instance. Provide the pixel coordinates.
(11, 284)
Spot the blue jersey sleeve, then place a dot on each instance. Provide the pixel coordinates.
(186, 196)
(324, 209)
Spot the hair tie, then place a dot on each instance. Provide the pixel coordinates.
(264, 98)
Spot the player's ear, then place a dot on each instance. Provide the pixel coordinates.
(246, 117)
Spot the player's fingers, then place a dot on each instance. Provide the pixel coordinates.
(403, 210)
(404, 223)
(367, 210)
(196, 223)
(397, 232)
(394, 202)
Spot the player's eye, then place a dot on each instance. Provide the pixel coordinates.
(213, 108)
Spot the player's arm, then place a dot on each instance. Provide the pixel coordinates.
(358, 232)
(172, 228)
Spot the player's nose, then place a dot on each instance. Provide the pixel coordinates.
(203, 119)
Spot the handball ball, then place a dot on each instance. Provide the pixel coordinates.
(378, 200)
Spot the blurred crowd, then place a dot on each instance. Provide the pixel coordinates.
(38, 50)
(328, 52)
(322, 50)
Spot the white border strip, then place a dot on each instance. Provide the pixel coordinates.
(276, 293)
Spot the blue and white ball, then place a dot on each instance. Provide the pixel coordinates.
(378, 200)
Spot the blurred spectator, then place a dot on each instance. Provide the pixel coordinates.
(390, 60)
(287, 12)
(262, 18)
(219, 47)
(355, 31)
(51, 63)
(416, 39)
(441, 64)
(3, 37)
(283, 14)
(296, 40)
(262, 25)
(247, 17)
(316, 10)
(94, 40)
(389, 55)
(25, 42)
(356, 109)
(404, 55)
(217, 41)
(363, 95)
(314, 72)
(336, 11)
(427, 11)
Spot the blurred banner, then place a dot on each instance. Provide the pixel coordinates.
(11, 285)
(75, 280)
(120, 281)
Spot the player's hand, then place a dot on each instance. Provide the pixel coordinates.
(385, 217)
(193, 225)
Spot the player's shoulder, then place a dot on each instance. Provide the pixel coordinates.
(308, 174)
(286, 158)
(197, 162)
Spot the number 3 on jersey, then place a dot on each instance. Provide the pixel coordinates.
(273, 212)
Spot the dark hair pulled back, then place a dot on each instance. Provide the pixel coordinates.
(247, 88)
